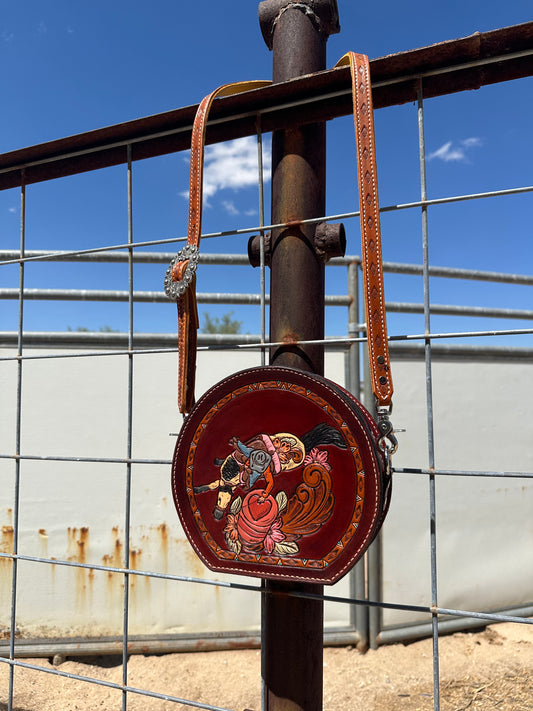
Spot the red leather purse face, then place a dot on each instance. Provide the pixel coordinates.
(277, 474)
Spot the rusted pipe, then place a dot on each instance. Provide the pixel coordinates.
(329, 242)
(297, 32)
(446, 68)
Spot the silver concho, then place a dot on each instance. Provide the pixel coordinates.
(174, 289)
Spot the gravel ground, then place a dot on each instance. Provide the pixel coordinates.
(488, 670)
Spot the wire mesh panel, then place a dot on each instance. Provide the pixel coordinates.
(91, 555)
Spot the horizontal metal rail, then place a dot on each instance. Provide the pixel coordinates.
(142, 296)
(253, 299)
(240, 342)
(453, 310)
(112, 253)
(8, 257)
(418, 631)
(459, 472)
(147, 644)
(457, 65)
(168, 462)
(165, 644)
(430, 609)
(106, 255)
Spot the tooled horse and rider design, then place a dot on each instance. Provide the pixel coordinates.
(270, 496)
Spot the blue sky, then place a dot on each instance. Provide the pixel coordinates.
(72, 66)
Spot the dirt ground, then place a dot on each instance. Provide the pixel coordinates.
(490, 669)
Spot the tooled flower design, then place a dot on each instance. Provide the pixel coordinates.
(231, 527)
(273, 536)
(317, 456)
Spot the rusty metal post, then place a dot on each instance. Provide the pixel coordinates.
(297, 32)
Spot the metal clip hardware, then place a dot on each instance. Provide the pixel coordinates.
(387, 441)
(176, 288)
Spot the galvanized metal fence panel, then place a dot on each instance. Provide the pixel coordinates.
(93, 572)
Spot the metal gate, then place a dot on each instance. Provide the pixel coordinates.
(413, 76)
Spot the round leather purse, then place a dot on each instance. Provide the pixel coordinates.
(280, 473)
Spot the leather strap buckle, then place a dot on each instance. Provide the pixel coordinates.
(181, 270)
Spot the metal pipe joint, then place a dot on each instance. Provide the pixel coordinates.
(324, 14)
(329, 242)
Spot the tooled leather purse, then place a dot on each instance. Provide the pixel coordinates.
(280, 473)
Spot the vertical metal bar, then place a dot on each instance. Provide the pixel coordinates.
(429, 399)
(297, 32)
(130, 273)
(373, 554)
(129, 440)
(375, 614)
(354, 320)
(18, 436)
(262, 271)
(358, 613)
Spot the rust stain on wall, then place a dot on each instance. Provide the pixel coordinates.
(115, 559)
(6, 546)
(7, 540)
(78, 544)
(43, 538)
(135, 556)
(192, 561)
(135, 559)
(162, 529)
(78, 551)
(118, 556)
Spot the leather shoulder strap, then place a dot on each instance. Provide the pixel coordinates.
(180, 279)
(197, 153)
(378, 345)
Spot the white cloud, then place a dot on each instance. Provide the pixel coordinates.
(449, 151)
(470, 142)
(229, 206)
(12, 209)
(232, 165)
